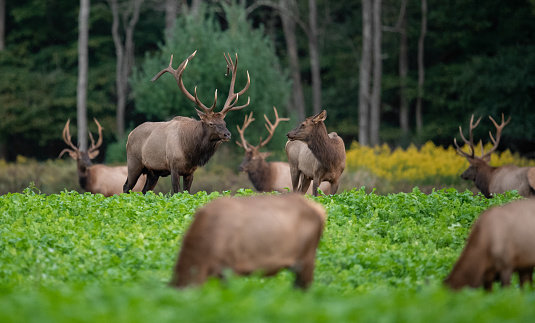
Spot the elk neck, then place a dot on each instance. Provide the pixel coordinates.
(260, 174)
(83, 165)
(198, 146)
(322, 146)
(483, 177)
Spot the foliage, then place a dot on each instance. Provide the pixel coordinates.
(270, 87)
(82, 257)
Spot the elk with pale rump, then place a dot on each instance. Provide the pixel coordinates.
(502, 241)
(324, 160)
(265, 176)
(178, 147)
(106, 180)
(494, 180)
(264, 233)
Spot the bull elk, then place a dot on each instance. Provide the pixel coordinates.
(178, 147)
(103, 179)
(265, 176)
(324, 160)
(494, 180)
(263, 233)
(500, 243)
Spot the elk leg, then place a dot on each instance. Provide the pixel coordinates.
(305, 184)
(505, 276)
(304, 274)
(132, 178)
(175, 181)
(151, 182)
(294, 172)
(525, 276)
(334, 188)
(187, 181)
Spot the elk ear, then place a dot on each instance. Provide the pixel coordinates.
(93, 154)
(320, 116)
(266, 154)
(200, 113)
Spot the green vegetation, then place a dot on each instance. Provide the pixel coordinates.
(74, 257)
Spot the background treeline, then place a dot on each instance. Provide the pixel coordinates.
(479, 58)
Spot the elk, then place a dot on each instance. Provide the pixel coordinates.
(178, 147)
(494, 180)
(265, 176)
(263, 233)
(96, 178)
(324, 160)
(501, 242)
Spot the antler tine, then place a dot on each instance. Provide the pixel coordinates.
(271, 127)
(471, 136)
(496, 141)
(233, 97)
(67, 135)
(246, 122)
(99, 141)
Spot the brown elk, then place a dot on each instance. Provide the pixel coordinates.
(103, 179)
(501, 242)
(494, 180)
(264, 233)
(325, 160)
(266, 176)
(178, 147)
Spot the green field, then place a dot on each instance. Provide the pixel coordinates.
(73, 257)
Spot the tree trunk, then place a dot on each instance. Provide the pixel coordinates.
(2, 25)
(421, 70)
(171, 7)
(314, 55)
(81, 93)
(288, 26)
(375, 112)
(403, 73)
(364, 73)
(125, 54)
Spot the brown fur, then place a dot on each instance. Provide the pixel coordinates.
(263, 233)
(502, 241)
(325, 160)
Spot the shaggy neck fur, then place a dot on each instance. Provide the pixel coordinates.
(259, 175)
(483, 176)
(198, 146)
(321, 146)
(84, 172)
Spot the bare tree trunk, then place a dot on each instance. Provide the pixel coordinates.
(171, 9)
(403, 73)
(375, 112)
(421, 70)
(125, 53)
(194, 8)
(314, 55)
(364, 73)
(2, 25)
(288, 26)
(83, 61)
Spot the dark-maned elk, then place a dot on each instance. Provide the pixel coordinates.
(501, 242)
(107, 180)
(263, 233)
(266, 176)
(495, 180)
(178, 147)
(325, 160)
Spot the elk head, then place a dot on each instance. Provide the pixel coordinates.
(252, 153)
(307, 128)
(83, 158)
(213, 122)
(477, 163)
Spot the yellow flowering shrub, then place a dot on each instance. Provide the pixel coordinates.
(420, 165)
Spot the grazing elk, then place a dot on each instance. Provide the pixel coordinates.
(178, 147)
(98, 178)
(324, 161)
(265, 176)
(264, 233)
(495, 180)
(502, 241)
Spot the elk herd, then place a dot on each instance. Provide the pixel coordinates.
(270, 232)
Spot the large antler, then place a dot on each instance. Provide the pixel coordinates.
(67, 138)
(471, 136)
(271, 127)
(178, 77)
(245, 145)
(92, 151)
(233, 97)
(496, 141)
